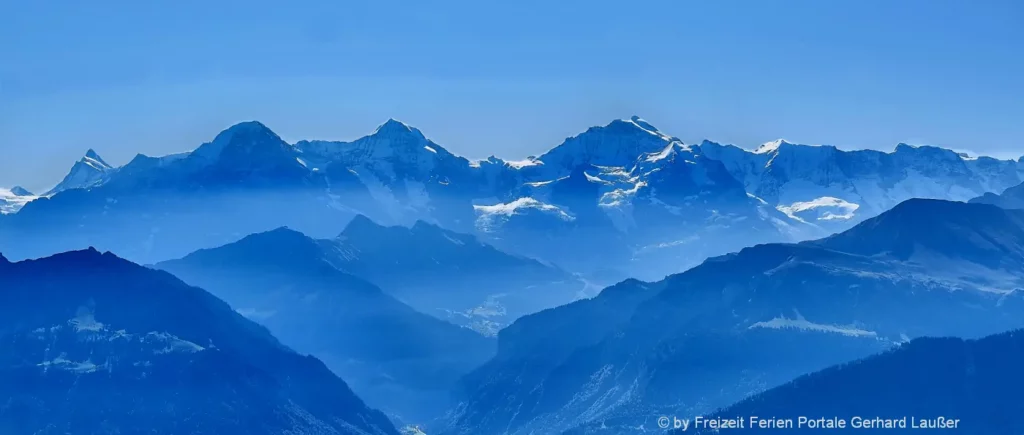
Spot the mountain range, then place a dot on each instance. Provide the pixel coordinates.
(738, 324)
(463, 294)
(91, 343)
(451, 275)
(321, 296)
(614, 201)
(285, 281)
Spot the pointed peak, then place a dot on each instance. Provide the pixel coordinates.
(92, 158)
(21, 191)
(422, 225)
(283, 230)
(359, 224)
(770, 147)
(395, 127)
(630, 127)
(640, 122)
(4, 260)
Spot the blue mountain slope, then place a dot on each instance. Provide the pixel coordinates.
(743, 322)
(450, 275)
(398, 359)
(972, 385)
(92, 343)
(1012, 197)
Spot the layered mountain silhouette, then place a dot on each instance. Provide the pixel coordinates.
(618, 200)
(91, 343)
(969, 386)
(1012, 197)
(744, 322)
(835, 188)
(451, 275)
(398, 359)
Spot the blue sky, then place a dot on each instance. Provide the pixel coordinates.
(504, 78)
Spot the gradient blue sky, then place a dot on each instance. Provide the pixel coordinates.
(505, 78)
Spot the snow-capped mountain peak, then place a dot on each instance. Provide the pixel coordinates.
(89, 171)
(642, 123)
(636, 122)
(619, 144)
(14, 199)
(93, 159)
(394, 138)
(770, 147)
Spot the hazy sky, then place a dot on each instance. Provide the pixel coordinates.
(509, 78)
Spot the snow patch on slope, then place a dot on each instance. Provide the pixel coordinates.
(803, 324)
(493, 215)
(824, 208)
(520, 164)
(11, 201)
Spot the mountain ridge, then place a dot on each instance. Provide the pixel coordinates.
(95, 343)
(976, 395)
(648, 203)
(751, 320)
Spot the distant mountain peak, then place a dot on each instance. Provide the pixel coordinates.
(89, 171)
(275, 248)
(92, 155)
(422, 225)
(980, 233)
(245, 143)
(278, 234)
(360, 224)
(21, 191)
(632, 125)
(393, 125)
(248, 126)
(248, 130)
(393, 128)
(619, 143)
(640, 122)
(770, 147)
